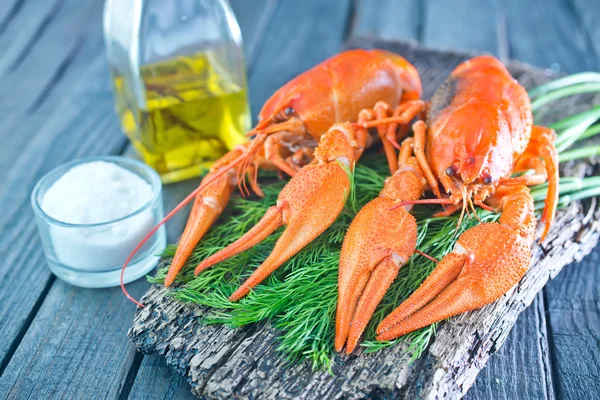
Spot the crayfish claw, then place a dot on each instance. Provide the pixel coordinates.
(308, 204)
(370, 260)
(487, 261)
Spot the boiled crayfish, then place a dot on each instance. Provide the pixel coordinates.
(344, 88)
(479, 132)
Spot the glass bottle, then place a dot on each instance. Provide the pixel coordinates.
(178, 72)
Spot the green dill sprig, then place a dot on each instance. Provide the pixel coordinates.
(299, 299)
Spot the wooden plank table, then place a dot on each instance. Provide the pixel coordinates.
(61, 341)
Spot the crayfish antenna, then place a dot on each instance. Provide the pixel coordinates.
(427, 256)
(447, 201)
(473, 209)
(462, 214)
(249, 157)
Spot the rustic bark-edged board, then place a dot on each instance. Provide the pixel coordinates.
(221, 362)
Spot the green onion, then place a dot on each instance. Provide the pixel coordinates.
(567, 81)
(584, 152)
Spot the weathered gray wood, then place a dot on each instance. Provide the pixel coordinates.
(587, 13)
(253, 18)
(389, 19)
(554, 35)
(483, 27)
(33, 94)
(8, 9)
(521, 367)
(574, 316)
(21, 23)
(73, 117)
(155, 380)
(476, 30)
(61, 356)
(221, 362)
(40, 42)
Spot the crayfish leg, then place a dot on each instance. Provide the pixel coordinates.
(208, 205)
(541, 156)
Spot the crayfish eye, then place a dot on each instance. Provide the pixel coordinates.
(451, 170)
(487, 179)
(289, 111)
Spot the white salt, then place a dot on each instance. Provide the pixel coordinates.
(92, 193)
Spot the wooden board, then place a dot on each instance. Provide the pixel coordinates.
(220, 362)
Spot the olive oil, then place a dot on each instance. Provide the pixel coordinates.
(185, 113)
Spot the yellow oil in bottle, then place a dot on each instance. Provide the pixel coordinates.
(191, 113)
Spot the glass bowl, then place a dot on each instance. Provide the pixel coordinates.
(92, 255)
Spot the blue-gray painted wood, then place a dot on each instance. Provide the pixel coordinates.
(8, 9)
(521, 368)
(65, 135)
(75, 346)
(253, 18)
(562, 33)
(548, 33)
(388, 19)
(35, 95)
(33, 144)
(39, 43)
(300, 35)
(156, 381)
(482, 30)
(587, 13)
(573, 312)
(461, 24)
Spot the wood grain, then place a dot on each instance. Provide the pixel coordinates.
(253, 18)
(587, 13)
(221, 362)
(61, 354)
(36, 90)
(58, 140)
(574, 316)
(554, 35)
(75, 117)
(389, 19)
(522, 365)
(64, 111)
(156, 381)
(52, 73)
(477, 32)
